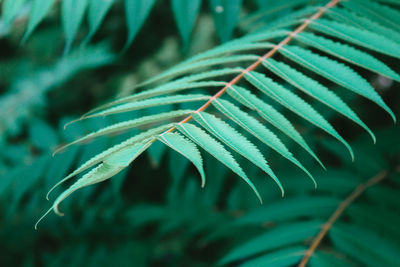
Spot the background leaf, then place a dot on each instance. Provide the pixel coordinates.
(185, 14)
(39, 11)
(225, 14)
(136, 12)
(73, 12)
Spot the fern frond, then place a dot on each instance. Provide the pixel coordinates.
(225, 67)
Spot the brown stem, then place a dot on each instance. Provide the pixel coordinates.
(269, 54)
(341, 208)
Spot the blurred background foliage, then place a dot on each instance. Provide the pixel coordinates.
(156, 213)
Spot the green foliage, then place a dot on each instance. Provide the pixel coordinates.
(214, 107)
(73, 12)
(185, 14)
(216, 149)
(25, 95)
(187, 149)
(225, 13)
(353, 241)
(136, 12)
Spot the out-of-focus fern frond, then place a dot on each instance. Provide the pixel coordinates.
(28, 93)
(302, 218)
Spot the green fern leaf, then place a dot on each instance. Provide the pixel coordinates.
(217, 150)
(125, 125)
(382, 14)
(357, 36)
(348, 53)
(291, 19)
(196, 65)
(236, 141)
(347, 17)
(40, 8)
(185, 148)
(209, 74)
(262, 35)
(316, 90)
(185, 14)
(271, 115)
(10, 10)
(147, 103)
(336, 72)
(171, 87)
(294, 103)
(73, 12)
(186, 82)
(228, 48)
(136, 12)
(258, 130)
(98, 9)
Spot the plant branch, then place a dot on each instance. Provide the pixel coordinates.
(341, 208)
(269, 54)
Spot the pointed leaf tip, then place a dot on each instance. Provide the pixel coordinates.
(186, 148)
(216, 149)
